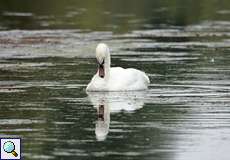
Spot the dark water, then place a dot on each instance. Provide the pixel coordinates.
(47, 59)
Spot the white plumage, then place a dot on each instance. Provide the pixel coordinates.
(115, 78)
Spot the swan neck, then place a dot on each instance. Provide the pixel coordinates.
(107, 67)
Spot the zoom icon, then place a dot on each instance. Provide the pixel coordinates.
(10, 148)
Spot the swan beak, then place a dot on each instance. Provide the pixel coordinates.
(101, 70)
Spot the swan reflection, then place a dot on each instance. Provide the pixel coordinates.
(113, 102)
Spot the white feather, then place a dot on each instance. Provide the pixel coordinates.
(116, 78)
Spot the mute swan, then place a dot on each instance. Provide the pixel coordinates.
(115, 78)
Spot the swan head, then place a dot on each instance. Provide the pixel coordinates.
(102, 52)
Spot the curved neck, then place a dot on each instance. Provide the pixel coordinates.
(107, 67)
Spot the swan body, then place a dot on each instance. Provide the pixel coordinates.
(115, 78)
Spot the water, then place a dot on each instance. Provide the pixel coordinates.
(46, 63)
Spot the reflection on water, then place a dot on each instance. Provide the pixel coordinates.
(113, 102)
(185, 111)
(102, 123)
(182, 45)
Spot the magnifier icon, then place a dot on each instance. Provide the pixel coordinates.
(9, 147)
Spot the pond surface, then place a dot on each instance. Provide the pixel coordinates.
(46, 63)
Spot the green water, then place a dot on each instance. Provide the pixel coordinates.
(47, 59)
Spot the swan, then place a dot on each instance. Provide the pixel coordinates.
(115, 78)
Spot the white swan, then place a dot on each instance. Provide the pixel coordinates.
(115, 78)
